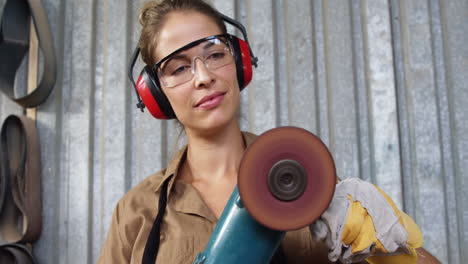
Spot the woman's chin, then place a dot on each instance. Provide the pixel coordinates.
(212, 123)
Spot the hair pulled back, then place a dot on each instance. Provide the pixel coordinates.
(153, 14)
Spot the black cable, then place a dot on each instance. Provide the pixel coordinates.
(152, 245)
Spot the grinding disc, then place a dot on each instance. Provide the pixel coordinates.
(286, 205)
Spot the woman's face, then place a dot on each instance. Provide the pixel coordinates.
(190, 99)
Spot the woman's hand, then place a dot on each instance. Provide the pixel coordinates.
(362, 222)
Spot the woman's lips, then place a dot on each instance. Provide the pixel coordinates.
(210, 101)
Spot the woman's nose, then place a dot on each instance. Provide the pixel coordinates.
(202, 75)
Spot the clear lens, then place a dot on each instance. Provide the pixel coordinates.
(180, 67)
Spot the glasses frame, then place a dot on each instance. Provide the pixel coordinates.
(193, 44)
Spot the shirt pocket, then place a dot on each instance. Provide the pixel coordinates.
(176, 250)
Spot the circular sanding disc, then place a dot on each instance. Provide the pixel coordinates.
(286, 144)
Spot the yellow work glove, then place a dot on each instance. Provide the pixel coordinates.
(362, 222)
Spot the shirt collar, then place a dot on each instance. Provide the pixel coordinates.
(180, 156)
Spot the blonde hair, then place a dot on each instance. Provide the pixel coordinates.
(153, 14)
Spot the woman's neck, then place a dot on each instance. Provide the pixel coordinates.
(214, 157)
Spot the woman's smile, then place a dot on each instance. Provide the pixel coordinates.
(210, 101)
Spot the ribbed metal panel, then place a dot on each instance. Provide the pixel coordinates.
(383, 83)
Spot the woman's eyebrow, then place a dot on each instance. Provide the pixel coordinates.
(178, 56)
(208, 45)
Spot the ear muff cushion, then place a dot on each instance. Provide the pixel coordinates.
(152, 96)
(243, 61)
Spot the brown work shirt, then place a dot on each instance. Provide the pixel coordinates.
(187, 224)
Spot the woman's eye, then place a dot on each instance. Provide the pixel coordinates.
(180, 70)
(217, 56)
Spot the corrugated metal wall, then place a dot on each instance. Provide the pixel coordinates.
(383, 83)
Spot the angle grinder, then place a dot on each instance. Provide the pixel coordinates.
(286, 181)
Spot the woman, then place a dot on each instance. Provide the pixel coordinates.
(197, 73)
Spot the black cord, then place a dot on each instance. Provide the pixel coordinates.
(152, 245)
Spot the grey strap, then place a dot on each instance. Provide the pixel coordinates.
(21, 208)
(14, 45)
(20, 196)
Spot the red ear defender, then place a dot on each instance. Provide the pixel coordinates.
(148, 98)
(152, 97)
(243, 61)
(246, 62)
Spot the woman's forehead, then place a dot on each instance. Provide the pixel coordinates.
(182, 28)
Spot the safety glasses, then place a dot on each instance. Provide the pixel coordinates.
(179, 66)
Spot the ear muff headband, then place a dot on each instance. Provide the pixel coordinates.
(148, 90)
(241, 27)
